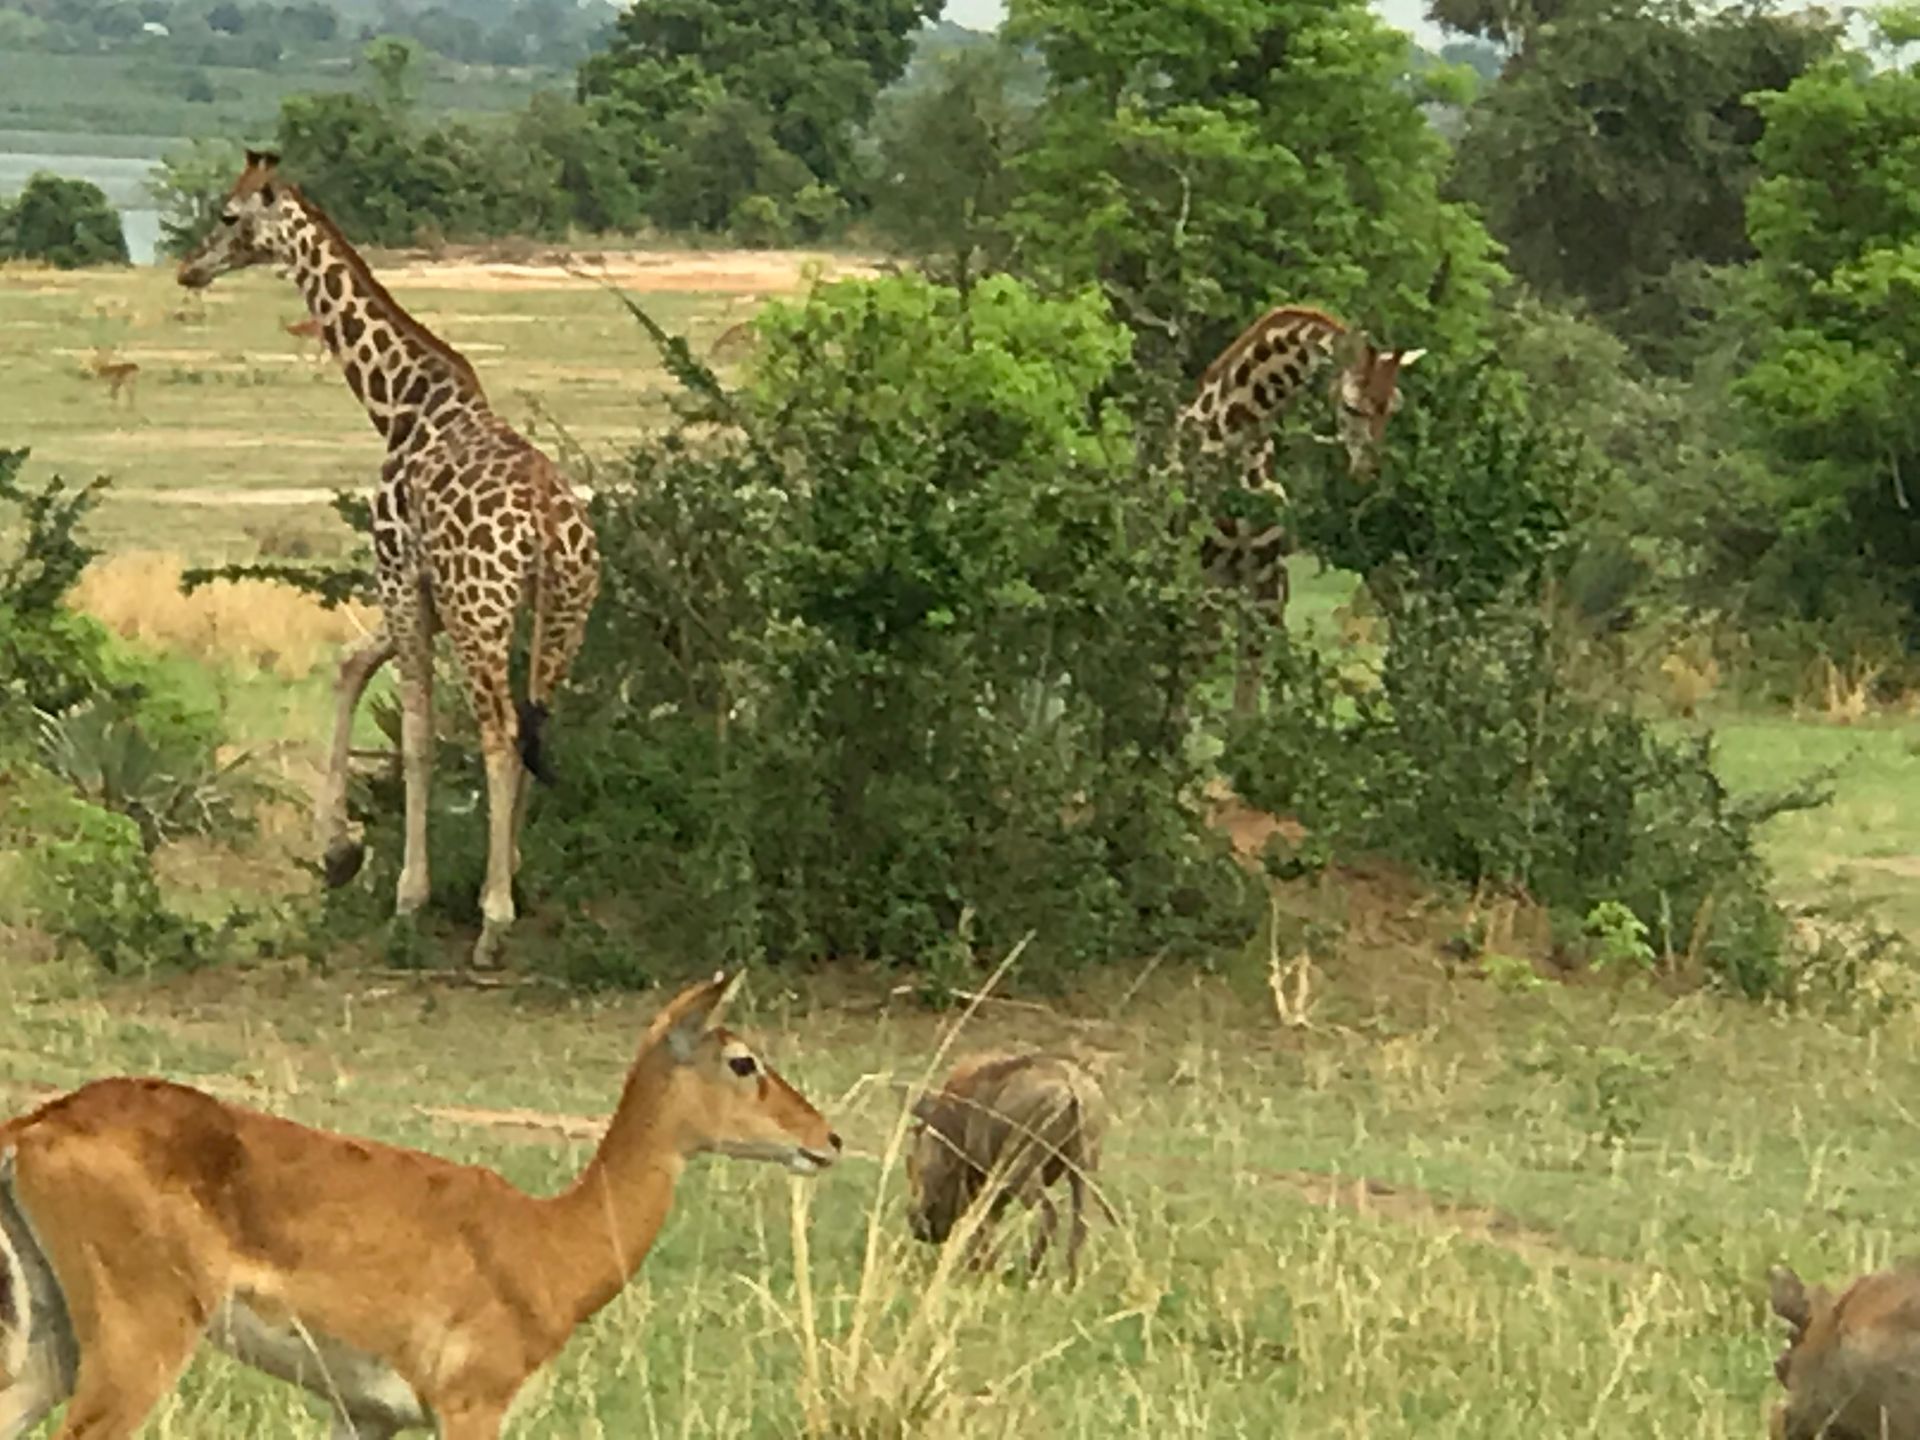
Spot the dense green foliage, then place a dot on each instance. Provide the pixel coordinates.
(1620, 145)
(68, 223)
(1474, 760)
(100, 760)
(944, 169)
(1832, 382)
(876, 674)
(719, 101)
(1203, 161)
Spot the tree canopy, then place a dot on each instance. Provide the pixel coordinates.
(1205, 159)
(1618, 143)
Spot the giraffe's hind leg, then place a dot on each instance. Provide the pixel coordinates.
(483, 640)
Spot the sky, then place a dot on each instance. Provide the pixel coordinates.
(1407, 14)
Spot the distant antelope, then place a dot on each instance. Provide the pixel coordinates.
(1001, 1128)
(139, 1217)
(1852, 1364)
(117, 374)
(307, 329)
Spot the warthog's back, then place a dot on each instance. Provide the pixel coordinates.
(1023, 1120)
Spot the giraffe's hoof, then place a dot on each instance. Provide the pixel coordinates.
(344, 858)
(489, 951)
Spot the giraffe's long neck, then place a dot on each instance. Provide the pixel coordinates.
(410, 381)
(1255, 376)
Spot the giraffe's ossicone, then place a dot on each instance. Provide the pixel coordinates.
(470, 522)
(1233, 410)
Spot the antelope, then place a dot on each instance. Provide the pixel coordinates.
(308, 329)
(118, 375)
(1003, 1127)
(1852, 1365)
(138, 1217)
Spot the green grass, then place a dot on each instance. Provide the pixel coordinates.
(1523, 1278)
(1867, 843)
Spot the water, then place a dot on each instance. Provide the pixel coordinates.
(123, 176)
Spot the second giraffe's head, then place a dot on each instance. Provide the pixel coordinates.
(254, 224)
(1366, 392)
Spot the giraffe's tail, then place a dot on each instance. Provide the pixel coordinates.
(533, 751)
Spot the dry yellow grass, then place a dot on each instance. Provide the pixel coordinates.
(251, 623)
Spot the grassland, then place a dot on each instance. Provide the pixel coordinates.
(1437, 1209)
(1440, 1211)
(237, 432)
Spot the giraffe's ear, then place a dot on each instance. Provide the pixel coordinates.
(1407, 357)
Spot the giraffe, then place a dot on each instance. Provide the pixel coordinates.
(1232, 410)
(469, 520)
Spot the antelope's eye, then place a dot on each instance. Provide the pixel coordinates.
(742, 1065)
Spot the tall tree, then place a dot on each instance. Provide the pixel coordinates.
(1618, 144)
(946, 163)
(813, 68)
(1835, 382)
(1206, 159)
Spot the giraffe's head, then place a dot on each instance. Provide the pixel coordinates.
(255, 224)
(1366, 392)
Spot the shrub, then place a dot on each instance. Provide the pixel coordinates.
(1475, 762)
(122, 763)
(68, 223)
(884, 665)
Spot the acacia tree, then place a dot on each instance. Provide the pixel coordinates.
(1619, 143)
(1835, 383)
(1204, 160)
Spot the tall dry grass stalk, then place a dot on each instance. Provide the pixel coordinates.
(890, 1374)
(248, 622)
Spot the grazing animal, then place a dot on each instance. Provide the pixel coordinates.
(308, 329)
(470, 520)
(138, 1217)
(1852, 1365)
(1233, 410)
(1001, 1128)
(118, 375)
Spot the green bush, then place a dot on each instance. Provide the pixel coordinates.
(883, 668)
(88, 880)
(122, 762)
(68, 223)
(1473, 761)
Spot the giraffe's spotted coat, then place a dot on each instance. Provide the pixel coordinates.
(471, 521)
(1232, 411)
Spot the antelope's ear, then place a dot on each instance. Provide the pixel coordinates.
(1790, 1299)
(694, 1011)
(1407, 357)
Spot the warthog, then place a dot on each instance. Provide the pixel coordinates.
(1852, 1365)
(1004, 1127)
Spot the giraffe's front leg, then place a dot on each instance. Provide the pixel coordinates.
(344, 854)
(416, 752)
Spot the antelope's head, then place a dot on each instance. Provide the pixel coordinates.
(724, 1098)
